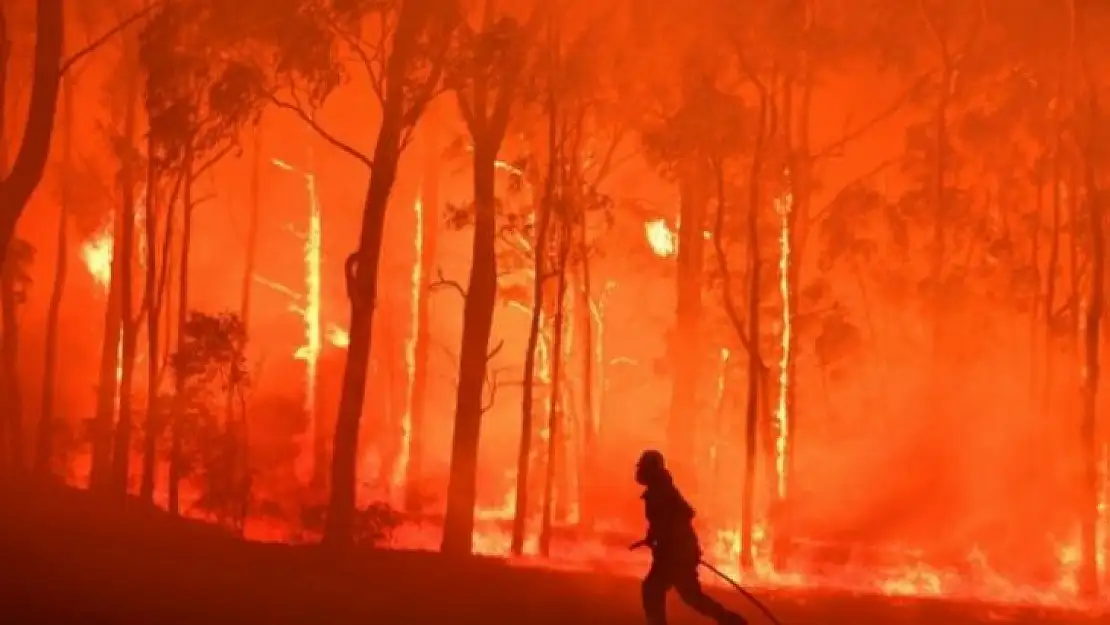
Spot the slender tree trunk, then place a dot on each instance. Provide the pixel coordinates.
(591, 419)
(555, 405)
(429, 203)
(19, 182)
(1051, 276)
(1088, 435)
(121, 455)
(108, 383)
(481, 296)
(152, 426)
(528, 402)
(180, 398)
(940, 214)
(12, 295)
(44, 447)
(399, 110)
(755, 362)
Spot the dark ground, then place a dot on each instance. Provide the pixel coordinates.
(65, 559)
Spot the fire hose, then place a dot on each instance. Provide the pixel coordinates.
(731, 582)
(743, 591)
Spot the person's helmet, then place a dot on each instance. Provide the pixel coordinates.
(650, 466)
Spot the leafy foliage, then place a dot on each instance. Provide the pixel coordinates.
(212, 361)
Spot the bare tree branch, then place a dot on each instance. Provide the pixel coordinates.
(491, 384)
(496, 350)
(95, 44)
(441, 282)
(324, 134)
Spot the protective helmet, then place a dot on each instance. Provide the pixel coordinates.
(649, 466)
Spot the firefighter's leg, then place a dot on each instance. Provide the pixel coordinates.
(689, 589)
(654, 593)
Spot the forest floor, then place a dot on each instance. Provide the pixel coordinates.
(65, 558)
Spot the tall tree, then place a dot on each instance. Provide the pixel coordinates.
(19, 181)
(1092, 323)
(428, 228)
(44, 446)
(495, 55)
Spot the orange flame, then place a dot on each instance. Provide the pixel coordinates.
(96, 253)
(663, 240)
(782, 417)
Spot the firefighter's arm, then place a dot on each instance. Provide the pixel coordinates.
(648, 541)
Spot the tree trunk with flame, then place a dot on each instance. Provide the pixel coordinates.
(19, 182)
(755, 362)
(44, 444)
(124, 246)
(429, 226)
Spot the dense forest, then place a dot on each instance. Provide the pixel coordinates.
(430, 274)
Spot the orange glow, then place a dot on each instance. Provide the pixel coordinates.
(96, 253)
(923, 250)
(338, 337)
(663, 240)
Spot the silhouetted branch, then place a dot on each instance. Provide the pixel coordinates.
(95, 44)
(496, 350)
(324, 134)
(216, 158)
(441, 282)
(491, 384)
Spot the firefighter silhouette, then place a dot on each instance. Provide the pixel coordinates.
(675, 552)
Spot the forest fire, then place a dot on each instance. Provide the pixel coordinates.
(96, 253)
(882, 372)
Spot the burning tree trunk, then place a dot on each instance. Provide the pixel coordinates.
(555, 408)
(362, 267)
(19, 182)
(426, 248)
(177, 413)
(44, 445)
(124, 246)
(108, 381)
(685, 339)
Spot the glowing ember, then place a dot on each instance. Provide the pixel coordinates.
(663, 240)
(338, 337)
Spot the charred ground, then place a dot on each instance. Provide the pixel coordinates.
(71, 559)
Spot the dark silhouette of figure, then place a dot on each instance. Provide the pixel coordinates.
(675, 551)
